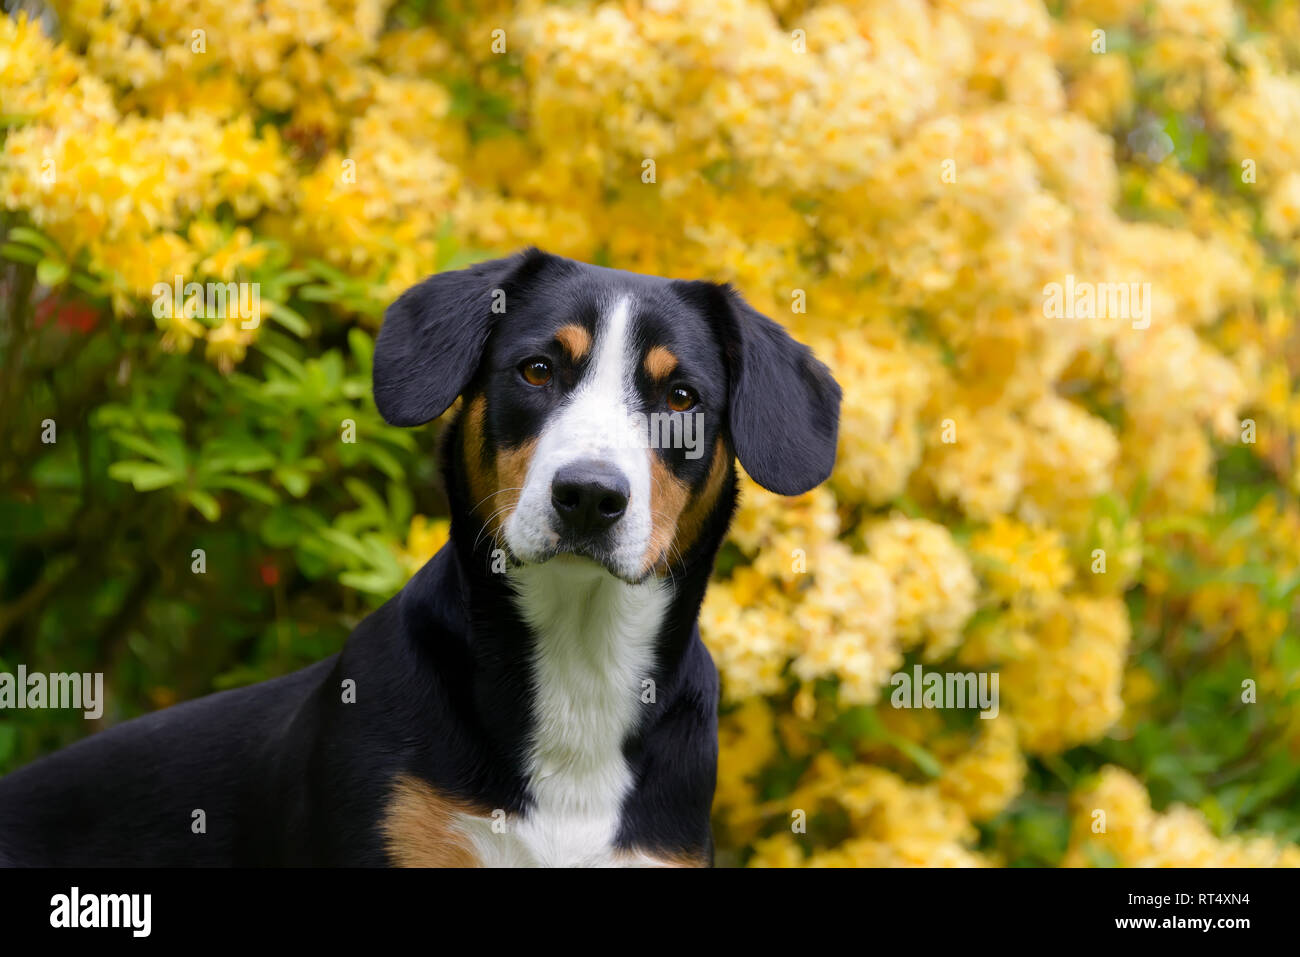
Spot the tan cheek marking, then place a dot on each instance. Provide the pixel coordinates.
(668, 496)
(482, 482)
(419, 827)
(496, 488)
(512, 469)
(692, 520)
(575, 340)
(659, 363)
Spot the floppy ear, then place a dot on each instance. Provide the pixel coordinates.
(433, 336)
(783, 404)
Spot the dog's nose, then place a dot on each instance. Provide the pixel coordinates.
(589, 497)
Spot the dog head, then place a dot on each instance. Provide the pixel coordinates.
(601, 408)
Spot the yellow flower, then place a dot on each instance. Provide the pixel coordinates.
(1282, 212)
(227, 345)
(1022, 563)
(424, 538)
(934, 588)
(986, 778)
(1115, 824)
(1064, 688)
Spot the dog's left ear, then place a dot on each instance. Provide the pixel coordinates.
(784, 405)
(433, 335)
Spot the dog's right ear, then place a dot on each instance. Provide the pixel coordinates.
(433, 336)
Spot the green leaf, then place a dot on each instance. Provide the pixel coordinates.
(346, 542)
(295, 481)
(401, 504)
(326, 271)
(363, 349)
(282, 359)
(235, 454)
(922, 758)
(51, 272)
(249, 488)
(288, 318)
(366, 497)
(318, 294)
(206, 504)
(384, 461)
(141, 445)
(20, 254)
(34, 237)
(373, 583)
(89, 284)
(287, 525)
(145, 476)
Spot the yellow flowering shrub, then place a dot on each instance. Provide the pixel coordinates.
(1098, 510)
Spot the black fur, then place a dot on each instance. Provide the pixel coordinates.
(286, 773)
(784, 406)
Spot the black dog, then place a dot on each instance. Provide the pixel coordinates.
(538, 694)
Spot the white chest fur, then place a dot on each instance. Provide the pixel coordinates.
(595, 649)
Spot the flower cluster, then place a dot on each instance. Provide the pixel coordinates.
(1114, 824)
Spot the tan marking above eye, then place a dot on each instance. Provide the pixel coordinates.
(575, 340)
(419, 826)
(659, 363)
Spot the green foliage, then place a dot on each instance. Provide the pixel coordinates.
(283, 474)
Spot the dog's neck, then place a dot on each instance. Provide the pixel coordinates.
(593, 678)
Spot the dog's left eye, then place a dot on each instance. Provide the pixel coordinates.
(681, 398)
(536, 371)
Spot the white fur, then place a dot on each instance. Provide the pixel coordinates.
(595, 423)
(595, 647)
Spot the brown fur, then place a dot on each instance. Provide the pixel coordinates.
(496, 486)
(677, 517)
(691, 522)
(482, 481)
(419, 827)
(575, 340)
(668, 496)
(659, 363)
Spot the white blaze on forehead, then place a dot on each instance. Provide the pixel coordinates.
(609, 381)
(594, 424)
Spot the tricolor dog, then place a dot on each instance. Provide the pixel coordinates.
(537, 694)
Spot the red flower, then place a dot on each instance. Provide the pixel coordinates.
(74, 316)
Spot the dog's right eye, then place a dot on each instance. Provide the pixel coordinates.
(536, 371)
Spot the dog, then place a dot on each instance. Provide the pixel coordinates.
(538, 693)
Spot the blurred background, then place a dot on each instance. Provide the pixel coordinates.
(1099, 512)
